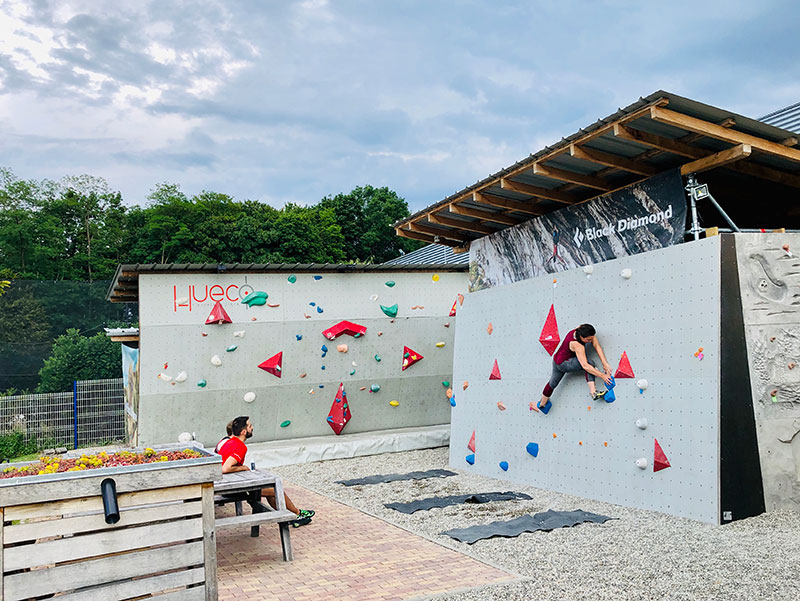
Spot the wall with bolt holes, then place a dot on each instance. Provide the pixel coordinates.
(173, 309)
(668, 309)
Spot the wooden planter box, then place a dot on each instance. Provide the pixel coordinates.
(55, 539)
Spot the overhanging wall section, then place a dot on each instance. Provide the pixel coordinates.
(661, 316)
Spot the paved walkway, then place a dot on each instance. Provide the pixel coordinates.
(343, 555)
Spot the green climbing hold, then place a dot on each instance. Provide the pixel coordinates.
(357, 335)
(374, 388)
(255, 299)
(352, 372)
(390, 311)
(202, 383)
(286, 423)
(292, 279)
(378, 358)
(231, 348)
(446, 383)
(406, 355)
(390, 284)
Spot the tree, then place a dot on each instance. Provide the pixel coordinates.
(76, 357)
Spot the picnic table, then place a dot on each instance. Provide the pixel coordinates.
(245, 486)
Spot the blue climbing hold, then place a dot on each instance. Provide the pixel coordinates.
(330, 419)
(470, 458)
(610, 397)
(452, 401)
(546, 408)
(313, 304)
(532, 448)
(298, 336)
(319, 309)
(318, 277)
(324, 349)
(322, 385)
(322, 367)
(504, 466)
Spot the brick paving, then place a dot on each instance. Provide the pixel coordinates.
(343, 555)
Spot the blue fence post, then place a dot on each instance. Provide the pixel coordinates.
(75, 411)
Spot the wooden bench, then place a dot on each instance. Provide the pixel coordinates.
(241, 487)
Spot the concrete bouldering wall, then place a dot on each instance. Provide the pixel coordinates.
(182, 390)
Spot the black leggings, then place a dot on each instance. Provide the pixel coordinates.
(560, 369)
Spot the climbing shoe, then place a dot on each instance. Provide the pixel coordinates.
(597, 396)
(306, 513)
(301, 521)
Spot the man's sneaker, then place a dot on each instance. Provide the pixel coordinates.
(597, 396)
(301, 521)
(306, 513)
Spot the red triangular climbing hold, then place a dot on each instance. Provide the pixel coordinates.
(453, 309)
(495, 375)
(410, 357)
(339, 414)
(549, 336)
(471, 443)
(273, 365)
(344, 327)
(660, 460)
(218, 315)
(624, 369)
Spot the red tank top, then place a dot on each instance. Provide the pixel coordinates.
(564, 353)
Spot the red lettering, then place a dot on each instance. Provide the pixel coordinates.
(234, 286)
(199, 300)
(174, 299)
(211, 293)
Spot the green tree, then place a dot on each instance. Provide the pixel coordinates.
(76, 357)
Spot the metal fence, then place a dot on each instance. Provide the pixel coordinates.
(92, 414)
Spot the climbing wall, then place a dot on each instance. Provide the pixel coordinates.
(662, 309)
(769, 273)
(268, 362)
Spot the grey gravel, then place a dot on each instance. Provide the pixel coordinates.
(639, 555)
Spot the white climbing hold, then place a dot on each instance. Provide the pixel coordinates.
(249, 397)
(626, 273)
(165, 377)
(181, 377)
(641, 463)
(642, 384)
(185, 437)
(215, 360)
(239, 334)
(354, 364)
(373, 298)
(182, 301)
(588, 270)
(641, 423)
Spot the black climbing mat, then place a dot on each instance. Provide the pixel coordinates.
(431, 502)
(395, 477)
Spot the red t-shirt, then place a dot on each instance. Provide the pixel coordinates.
(564, 353)
(234, 448)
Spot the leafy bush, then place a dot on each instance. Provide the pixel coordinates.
(12, 444)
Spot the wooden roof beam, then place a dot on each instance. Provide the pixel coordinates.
(742, 151)
(660, 142)
(792, 141)
(460, 224)
(731, 136)
(427, 238)
(611, 160)
(484, 215)
(522, 188)
(506, 203)
(573, 178)
(435, 231)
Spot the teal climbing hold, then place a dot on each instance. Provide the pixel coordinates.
(374, 388)
(357, 335)
(378, 358)
(292, 279)
(504, 466)
(352, 372)
(286, 423)
(390, 284)
(532, 448)
(231, 348)
(470, 458)
(202, 383)
(255, 298)
(390, 311)
(446, 383)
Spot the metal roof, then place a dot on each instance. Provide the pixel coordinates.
(787, 118)
(432, 254)
(658, 132)
(124, 287)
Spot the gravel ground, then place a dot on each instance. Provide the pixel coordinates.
(639, 555)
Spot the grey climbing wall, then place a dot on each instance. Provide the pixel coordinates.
(770, 288)
(661, 316)
(173, 310)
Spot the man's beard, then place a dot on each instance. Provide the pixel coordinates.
(248, 435)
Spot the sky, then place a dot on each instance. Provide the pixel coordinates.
(282, 101)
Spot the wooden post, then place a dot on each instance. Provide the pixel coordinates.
(209, 542)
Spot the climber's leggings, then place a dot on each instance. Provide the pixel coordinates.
(559, 369)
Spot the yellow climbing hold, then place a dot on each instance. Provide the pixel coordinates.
(394, 403)
(440, 344)
(435, 277)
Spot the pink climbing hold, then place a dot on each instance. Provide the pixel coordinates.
(218, 315)
(273, 365)
(495, 375)
(453, 309)
(410, 357)
(549, 336)
(624, 369)
(339, 414)
(660, 461)
(471, 443)
(344, 327)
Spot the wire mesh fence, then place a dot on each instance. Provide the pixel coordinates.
(92, 414)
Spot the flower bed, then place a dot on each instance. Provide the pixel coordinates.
(55, 465)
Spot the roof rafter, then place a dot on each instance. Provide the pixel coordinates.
(428, 238)
(488, 198)
(574, 178)
(523, 188)
(484, 215)
(611, 160)
(435, 231)
(468, 226)
(742, 151)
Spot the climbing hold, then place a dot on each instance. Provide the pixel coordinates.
(357, 335)
(324, 348)
(218, 315)
(774, 395)
(164, 377)
(352, 372)
(204, 334)
(344, 327)
(490, 328)
(610, 396)
(394, 403)
(554, 435)
(624, 369)
(322, 367)
(374, 388)
(642, 385)
(342, 348)
(435, 277)
(239, 334)
(273, 365)
(452, 401)
(202, 383)
(215, 360)
(460, 299)
(641, 423)
(312, 391)
(249, 397)
(410, 357)
(465, 385)
(292, 279)
(319, 309)
(339, 414)
(504, 465)
(641, 463)
(285, 423)
(448, 393)
(792, 365)
(390, 311)
(588, 270)
(495, 375)
(546, 409)
(447, 325)
(549, 337)
(354, 364)
(785, 248)
(626, 273)
(501, 406)
(378, 358)
(471, 443)
(363, 388)
(181, 377)
(373, 297)
(255, 298)
(317, 278)
(299, 337)
(453, 309)
(391, 321)
(660, 460)
(252, 319)
(470, 459)
(446, 383)
(380, 333)
(389, 284)
(273, 305)
(231, 348)
(303, 375)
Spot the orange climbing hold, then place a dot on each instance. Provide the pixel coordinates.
(471, 443)
(490, 328)
(410, 357)
(460, 299)
(624, 369)
(660, 461)
(218, 315)
(495, 375)
(501, 406)
(465, 385)
(549, 336)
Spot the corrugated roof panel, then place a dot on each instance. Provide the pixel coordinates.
(785, 118)
(431, 254)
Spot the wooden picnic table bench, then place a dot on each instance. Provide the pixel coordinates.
(245, 486)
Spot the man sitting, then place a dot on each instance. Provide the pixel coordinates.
(233, 452)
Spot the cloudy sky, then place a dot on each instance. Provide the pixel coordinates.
(290, 101)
